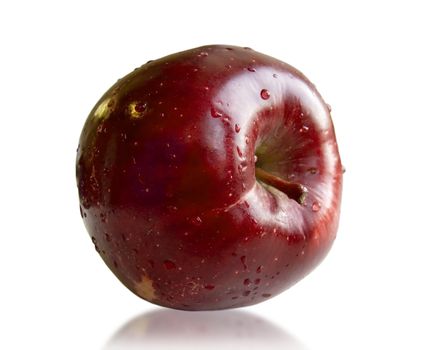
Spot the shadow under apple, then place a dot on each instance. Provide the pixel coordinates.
(172, 329)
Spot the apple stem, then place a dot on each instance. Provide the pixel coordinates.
(294, 191)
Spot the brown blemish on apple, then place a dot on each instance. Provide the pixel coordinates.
(145, 289)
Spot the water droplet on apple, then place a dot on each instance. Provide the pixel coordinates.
(237, 128)
(103, 218)
(107, 237)
(169, 265)
(312, 171)
(304, 129)
(315, 206)
(255, 158)
(266, 295)
(257, 281)
(246, 293)
(247, 282)
(209, 287)
(259, 269)
(328, 107)
(265, 94)
(275, 75)
(251, 69)
(343, 169)
(243, 260)
(215, 113)
(239, 152)
(196, 221)
(140, 107)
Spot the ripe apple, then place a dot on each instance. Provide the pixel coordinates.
(210, 178)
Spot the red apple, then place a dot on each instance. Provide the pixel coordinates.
(210, 178)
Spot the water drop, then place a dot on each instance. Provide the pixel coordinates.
(266, 295)
(243, 260)
(265, 94)
(197, 221)
(103, 218)
(304, 129)
(107, 237)
(209, 287)
(251, 69)
(140, 107)
(237, 128)
(257, 281)
(239, 152)
(328, 107)
(246, 293)
(315, 206)
(312, 171)
(275, 75)
(169, 265)
(259, 269)
(215, 113)
(247, 282)
(343, 169)
(255, 158)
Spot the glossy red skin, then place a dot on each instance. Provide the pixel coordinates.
(168, 192)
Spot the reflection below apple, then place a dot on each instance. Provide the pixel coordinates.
(170, 329)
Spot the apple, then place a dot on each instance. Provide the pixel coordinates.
(210, 178)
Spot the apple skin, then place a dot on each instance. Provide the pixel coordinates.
(166, 173)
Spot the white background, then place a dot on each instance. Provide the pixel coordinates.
(380, 64)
